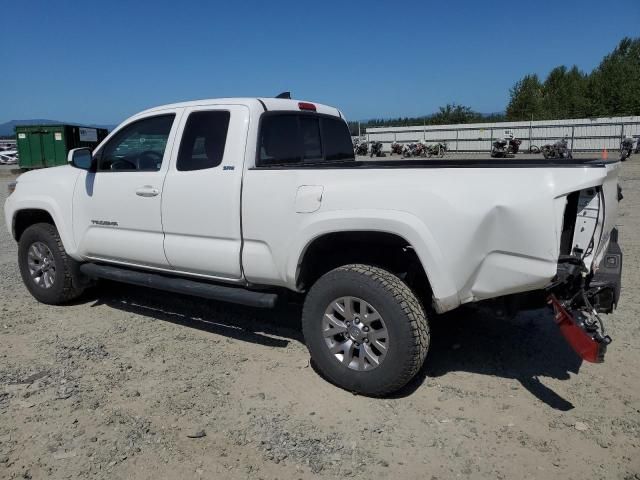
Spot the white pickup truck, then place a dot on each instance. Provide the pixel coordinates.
(248, 199)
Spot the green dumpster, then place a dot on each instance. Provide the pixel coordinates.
(42, 146)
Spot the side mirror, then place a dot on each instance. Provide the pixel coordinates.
(80, 158)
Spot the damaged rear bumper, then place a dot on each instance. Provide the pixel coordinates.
(578, 296)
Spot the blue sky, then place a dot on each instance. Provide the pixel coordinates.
(99, 62)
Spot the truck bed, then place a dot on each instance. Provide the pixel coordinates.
(449, 163)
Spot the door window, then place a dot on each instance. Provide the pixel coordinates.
(203, 140)
(139, 146)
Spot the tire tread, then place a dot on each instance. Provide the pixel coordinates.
(413, 310)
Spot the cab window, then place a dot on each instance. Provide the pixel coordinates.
(139, 146)
(291, 138)
(203, 140)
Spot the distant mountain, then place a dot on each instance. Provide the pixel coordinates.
(8, 129)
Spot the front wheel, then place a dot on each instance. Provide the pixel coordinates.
(45, 268)
(365, 329)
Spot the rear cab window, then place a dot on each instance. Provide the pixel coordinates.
(291, 138)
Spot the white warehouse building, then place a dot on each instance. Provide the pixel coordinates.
(584, 134)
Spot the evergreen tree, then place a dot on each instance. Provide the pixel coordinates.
(526, 99)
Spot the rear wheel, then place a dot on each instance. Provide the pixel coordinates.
(365, 329)
(44, 265)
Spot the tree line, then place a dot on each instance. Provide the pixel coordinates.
(449, 114)
(611, 89)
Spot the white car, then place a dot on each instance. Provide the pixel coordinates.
(244, 199)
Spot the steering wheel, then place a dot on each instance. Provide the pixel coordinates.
(122, 164)
(149, 160)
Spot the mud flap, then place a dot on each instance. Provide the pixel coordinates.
(579, 332)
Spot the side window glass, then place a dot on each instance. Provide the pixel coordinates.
(311, 144)
(279, 140)
(139, 146)
(203, 140)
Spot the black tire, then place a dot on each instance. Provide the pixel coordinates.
(62, 289)
(404, 317)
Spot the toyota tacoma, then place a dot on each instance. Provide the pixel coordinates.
(250, 199)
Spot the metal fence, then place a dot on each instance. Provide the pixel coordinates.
(583, 134)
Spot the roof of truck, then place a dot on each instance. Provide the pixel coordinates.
(262, 103)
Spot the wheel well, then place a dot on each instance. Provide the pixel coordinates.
(381, 249)
(25, 218)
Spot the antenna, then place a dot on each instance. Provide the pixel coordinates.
(286, 95)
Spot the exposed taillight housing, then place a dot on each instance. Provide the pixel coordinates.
(307, 106)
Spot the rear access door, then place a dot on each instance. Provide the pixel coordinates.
(201, 197)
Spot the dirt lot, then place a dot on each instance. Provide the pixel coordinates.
(115, 385)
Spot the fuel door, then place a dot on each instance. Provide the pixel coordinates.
(308, 198)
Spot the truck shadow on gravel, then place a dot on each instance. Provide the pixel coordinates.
(522, 349)
(268, 327)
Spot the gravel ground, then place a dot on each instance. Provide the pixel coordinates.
(133, 383)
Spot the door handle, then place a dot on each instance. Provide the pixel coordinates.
(147, 191)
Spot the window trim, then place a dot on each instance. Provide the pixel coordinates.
(185, 123)
(319, 116)
(98, 155)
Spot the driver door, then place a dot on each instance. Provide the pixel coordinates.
(116, 209)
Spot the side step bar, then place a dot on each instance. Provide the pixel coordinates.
(181, 285)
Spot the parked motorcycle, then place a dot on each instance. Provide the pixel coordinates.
(505, 146)
(376, 150)
(410, 150)
(360, 148)
(626, 147)
(560, 149)
(396, 148)
(437, 149)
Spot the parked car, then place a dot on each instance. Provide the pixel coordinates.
(251, 200)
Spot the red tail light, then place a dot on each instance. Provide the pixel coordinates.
(589, 346)
(306, 106)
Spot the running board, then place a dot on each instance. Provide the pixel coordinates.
(181, 285)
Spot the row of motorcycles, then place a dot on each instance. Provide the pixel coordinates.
(500, 148)
(373, 149)
(509, 145)
(420, 149)
(417, 149)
